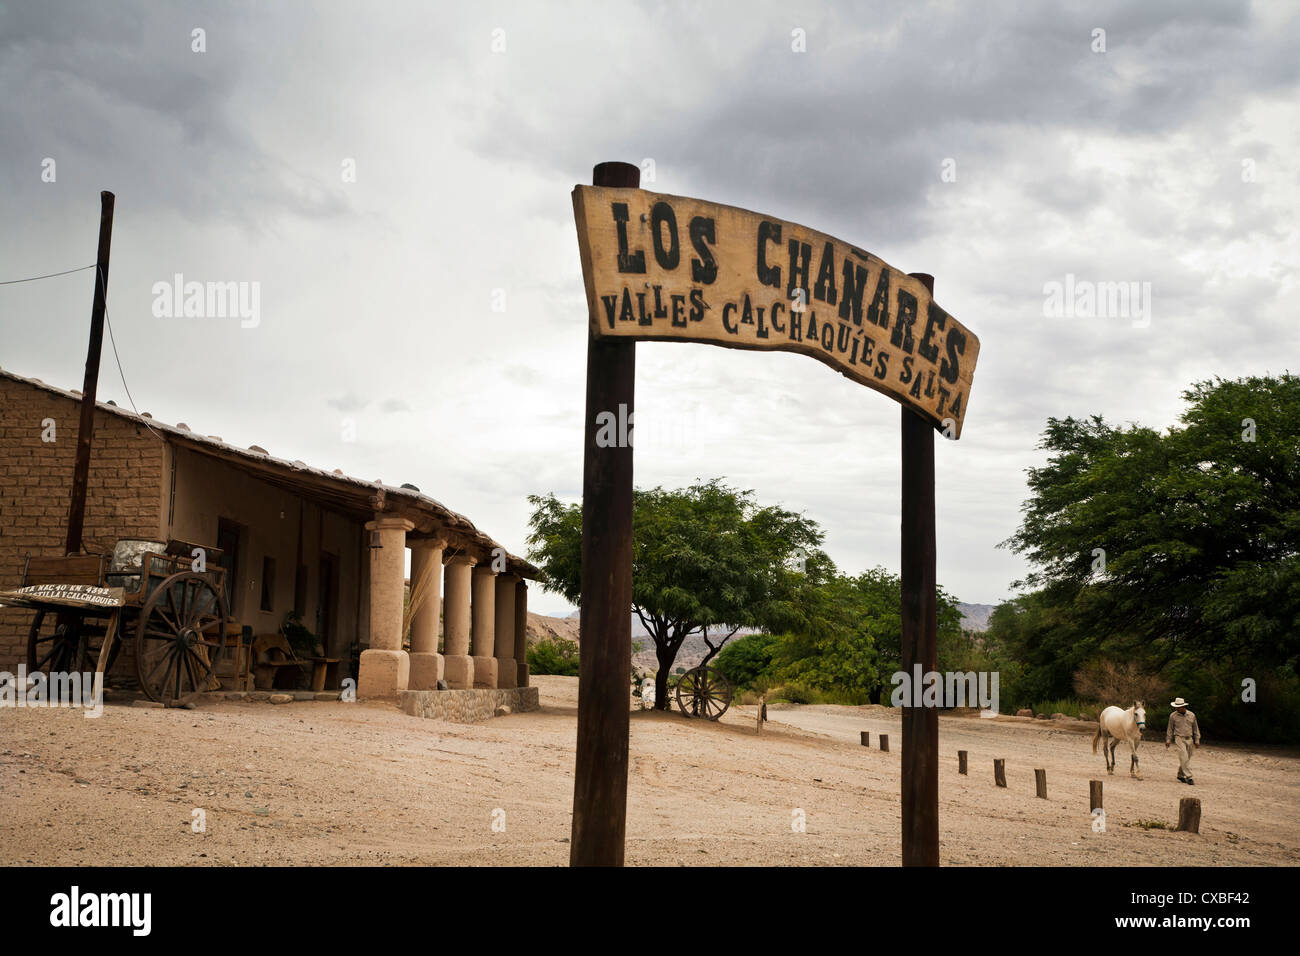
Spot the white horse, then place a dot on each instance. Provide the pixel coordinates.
(1115, 725)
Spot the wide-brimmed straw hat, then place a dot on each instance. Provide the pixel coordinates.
(1178, 702)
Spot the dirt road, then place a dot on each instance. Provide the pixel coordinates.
(334, 783)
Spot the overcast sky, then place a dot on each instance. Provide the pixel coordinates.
(1170, 157)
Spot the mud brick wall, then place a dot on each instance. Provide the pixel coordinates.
(124, 498)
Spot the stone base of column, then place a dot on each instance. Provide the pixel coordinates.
(507, 674)
(485, 672)
(383, 674)
(458, 671)
(426, 670)
(522, 671)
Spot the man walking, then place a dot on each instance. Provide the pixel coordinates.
(1185, 735)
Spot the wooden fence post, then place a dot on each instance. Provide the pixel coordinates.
(1189, 815)
(961, 761)
(884, 743)
(866, 738)
(1000, 772)
(1094, 795)
(1040, 783)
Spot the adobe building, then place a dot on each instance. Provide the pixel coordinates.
(292, 537)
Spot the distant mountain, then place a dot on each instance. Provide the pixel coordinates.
(692, 651)
(975, 617)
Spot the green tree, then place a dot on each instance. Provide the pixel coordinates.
(1187, 542)
(747, 659)
(850, 638)
(704, 557)
(1179, 550)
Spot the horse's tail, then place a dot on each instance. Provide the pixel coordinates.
(1096, 737)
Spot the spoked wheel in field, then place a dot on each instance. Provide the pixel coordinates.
(179, 638)
(703, 692)
(66, 643)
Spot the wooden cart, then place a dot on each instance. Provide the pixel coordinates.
(84, 610)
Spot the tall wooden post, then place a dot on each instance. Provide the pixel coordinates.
(920, 776)
(605, 655)
(86, 429)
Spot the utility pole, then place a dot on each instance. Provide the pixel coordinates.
(86, 430)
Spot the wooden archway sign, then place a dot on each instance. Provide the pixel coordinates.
(668, 268)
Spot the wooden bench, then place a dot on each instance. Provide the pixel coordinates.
(272, 655)
(324, 670)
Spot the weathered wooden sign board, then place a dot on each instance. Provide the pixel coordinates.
(63, 595)
(668, 268)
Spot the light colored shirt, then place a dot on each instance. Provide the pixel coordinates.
(1183, 724)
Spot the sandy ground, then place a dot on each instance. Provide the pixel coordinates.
(334, 783)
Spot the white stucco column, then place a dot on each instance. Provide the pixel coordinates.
(427, 664)
(384, 669)
(504, 614)
(521, 634)
(483, 615)
(458, 666)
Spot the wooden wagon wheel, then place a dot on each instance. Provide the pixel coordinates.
(67, 645)
(179, 637)
(703, 692)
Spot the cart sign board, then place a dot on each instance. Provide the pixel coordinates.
(667, 268)
(63, 595)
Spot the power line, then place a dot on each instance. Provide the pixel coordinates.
(113, 342)
(50, 276)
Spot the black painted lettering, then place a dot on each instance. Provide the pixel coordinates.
(878, 311)
(627, 261)
(768, 232)
(800, 260)
(611, 305)
(956, 345)
(704, 269)
(935, 319)
(855, 287)
(698, 305)
(825, 288)
(901, 337)
(661, 312)
(660, 215)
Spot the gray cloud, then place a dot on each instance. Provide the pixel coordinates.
(1116, 166)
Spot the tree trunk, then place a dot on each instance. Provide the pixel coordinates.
(665, 655)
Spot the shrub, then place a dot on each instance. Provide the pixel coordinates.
(556, 657)
(744, 660)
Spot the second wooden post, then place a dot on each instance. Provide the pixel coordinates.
(920, 610)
